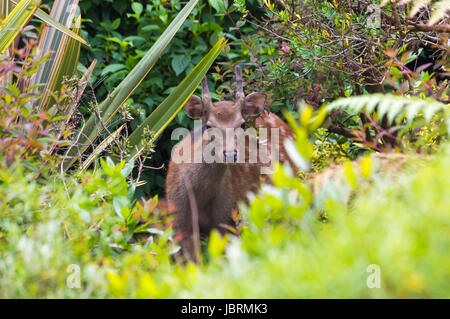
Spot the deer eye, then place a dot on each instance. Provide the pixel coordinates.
(207, 126)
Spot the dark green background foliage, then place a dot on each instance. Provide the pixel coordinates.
(121, 31)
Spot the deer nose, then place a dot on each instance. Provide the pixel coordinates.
(230, 157)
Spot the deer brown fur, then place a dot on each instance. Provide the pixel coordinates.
(205, 194)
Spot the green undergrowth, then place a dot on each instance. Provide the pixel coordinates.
(362, 235)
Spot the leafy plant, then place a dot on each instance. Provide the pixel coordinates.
(396, 108)
(402, 114)
(7, 5)
(322, 51)
(58, 37)
(330, 148)
(65, 51)
(167, 110)
(298, 240)
(45, 78)
(68, 222)
(110, 106)
(27, 133)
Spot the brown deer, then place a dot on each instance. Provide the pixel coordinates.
(204, 193)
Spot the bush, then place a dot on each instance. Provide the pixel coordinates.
(54, 224)
(298, 241)
(397, 225)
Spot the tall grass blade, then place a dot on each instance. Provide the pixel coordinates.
(48, 20)
(56, 42)
(109, 107)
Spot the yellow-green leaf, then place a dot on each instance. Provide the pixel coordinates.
(15, 21)
(55, 24)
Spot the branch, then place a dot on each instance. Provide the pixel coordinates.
(341, 130)
(443, 28)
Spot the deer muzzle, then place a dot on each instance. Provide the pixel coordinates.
(230, 156)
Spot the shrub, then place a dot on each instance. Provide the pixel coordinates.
(52, 226)
(299, 240)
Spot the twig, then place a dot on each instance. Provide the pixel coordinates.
(194, 215)
(442, 28)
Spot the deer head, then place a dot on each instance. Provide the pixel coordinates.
(226, 116)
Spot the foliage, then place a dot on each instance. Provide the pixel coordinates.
(111, 105)
(438, 10)
(65, 58)
(64, 51)
(403, 115)
(298, 241)
(61, 44)
(27, 133)
(31, 73)
(167, 110)
(393, 225)
(122, 33)
(322, 51)
(330, 148)
(51, 223)
(328, 49)
(395, 108)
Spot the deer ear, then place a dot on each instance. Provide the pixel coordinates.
(194, 107)
(254, 104)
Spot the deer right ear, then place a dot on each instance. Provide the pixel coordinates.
(254, 104)
(194, 107)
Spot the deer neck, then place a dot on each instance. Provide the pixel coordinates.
(212, 174)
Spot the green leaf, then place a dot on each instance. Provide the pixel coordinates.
(150, 27)
(69, 61)
(180, 63)
(395, 107)
(217, 244)
(108, 170)
(115, 24)
(127, 169)
(65, 53)
(100, 148)
(112, 68)
(120, 202)
(220, 6)
(137, 7)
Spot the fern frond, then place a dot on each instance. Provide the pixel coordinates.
(398, 109)
(438, 8)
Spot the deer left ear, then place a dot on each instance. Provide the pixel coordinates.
(254, 104)
(194, 107)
